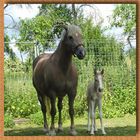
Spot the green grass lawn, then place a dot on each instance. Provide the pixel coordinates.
(125, 126)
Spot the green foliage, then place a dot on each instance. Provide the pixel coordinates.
(8, 121)
(124, 16)
(34, 32)
(13, 65)
(104, 50)
(21, 100)
(120, 102)
(56, 12)
(20, 105)
(36, 118)
(7, 49)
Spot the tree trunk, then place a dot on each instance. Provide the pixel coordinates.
(74, 13)
(21, 57)
(129, 42)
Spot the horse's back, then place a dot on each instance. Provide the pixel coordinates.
(41, 56)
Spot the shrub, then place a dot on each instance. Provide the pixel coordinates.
(119, 92)
(8, 121)
(21, 102)
(37, 118)
(21, 105)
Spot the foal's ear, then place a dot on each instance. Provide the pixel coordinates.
(102, 72)
(95, 71)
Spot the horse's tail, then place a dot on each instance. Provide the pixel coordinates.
(47, 103)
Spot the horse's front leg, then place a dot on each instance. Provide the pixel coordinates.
(71, 97)
(53, 113)
(59, 105)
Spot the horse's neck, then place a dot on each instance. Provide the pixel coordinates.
(64, 58)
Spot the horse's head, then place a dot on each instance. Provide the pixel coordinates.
(72, 40)
(99, 80)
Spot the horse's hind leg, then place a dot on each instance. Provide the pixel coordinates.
(43, 108)
(59, 105)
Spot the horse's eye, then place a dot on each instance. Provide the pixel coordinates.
(70, 37)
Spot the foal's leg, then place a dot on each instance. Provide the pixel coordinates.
(100, 115)
(89, 113)
(59, 105)
(53, 113)
(92, 117)
(71, 112)
(95, 128)
(43, 108)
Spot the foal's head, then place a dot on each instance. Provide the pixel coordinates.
(98, 80)
(72, 40)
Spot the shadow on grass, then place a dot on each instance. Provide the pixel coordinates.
(81, 129)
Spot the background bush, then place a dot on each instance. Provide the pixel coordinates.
(8, 121)
(20, 99)
(119, 91)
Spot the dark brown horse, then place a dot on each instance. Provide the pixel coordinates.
(54, 75)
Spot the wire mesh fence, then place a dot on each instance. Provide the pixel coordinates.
(119, 73)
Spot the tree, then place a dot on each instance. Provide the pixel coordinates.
(34, 34)
(7, 48)
(124, 15)
(56, 12)
(37, 34)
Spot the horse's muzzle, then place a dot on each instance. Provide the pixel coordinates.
(80, 52)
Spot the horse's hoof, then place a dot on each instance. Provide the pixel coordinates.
(52, 133)
(104, 133)
(95, 130)
(47, 134)
(92, 133)
(73, 132)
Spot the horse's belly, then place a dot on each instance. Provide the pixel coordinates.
(61, 94)
(62, 88)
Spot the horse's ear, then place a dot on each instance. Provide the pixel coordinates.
(62, 24)
(102, 72)
(95, 71)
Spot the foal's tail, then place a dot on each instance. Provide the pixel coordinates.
(47, 103)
